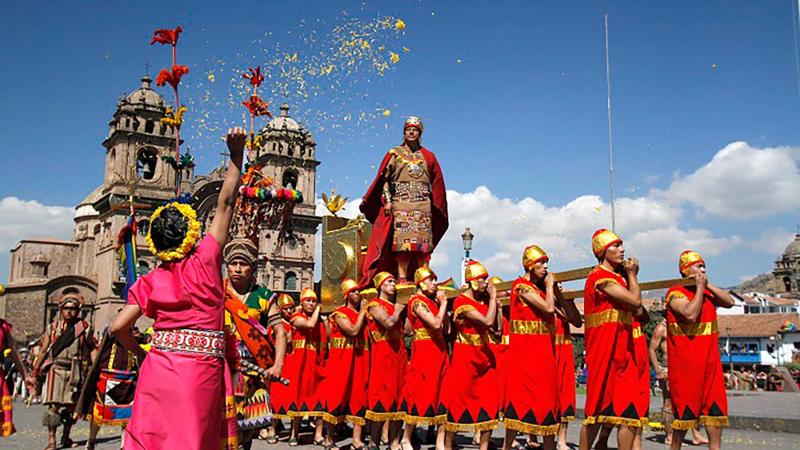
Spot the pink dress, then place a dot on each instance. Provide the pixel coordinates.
(180, 397)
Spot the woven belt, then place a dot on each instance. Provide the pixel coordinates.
(637, 332)
(693, 329)
(393, 335)
(532, 327)
(304, 345)
(184, 340)
(340, 342)
(609, 316)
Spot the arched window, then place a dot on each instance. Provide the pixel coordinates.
(290, 282)
(146, 163)
(289, 179)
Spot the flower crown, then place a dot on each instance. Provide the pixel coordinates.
(192, 233)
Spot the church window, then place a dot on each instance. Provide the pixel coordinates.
(290, 178)
(290, 283)
(142, 225)
(96, 230)
(146, 163)
(149, 126)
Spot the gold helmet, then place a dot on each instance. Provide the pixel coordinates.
(307, 293)
(602, 239)
(531, 255)
(348, 285)
(688, 259)
(422, 274)
(380, 278)
(285, 301)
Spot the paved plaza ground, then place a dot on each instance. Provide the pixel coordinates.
(767, 406)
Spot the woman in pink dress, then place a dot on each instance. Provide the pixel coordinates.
(181, 399)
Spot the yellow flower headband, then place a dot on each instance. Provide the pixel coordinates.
(192, 233)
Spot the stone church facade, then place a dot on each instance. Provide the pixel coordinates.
(42, 270)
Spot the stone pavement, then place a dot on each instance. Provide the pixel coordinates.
(765, 406)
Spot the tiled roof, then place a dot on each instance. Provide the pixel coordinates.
(754, 325)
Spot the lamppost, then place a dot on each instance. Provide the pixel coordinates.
(466, 239)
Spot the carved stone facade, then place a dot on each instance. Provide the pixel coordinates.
(787, 268)
(44, 269)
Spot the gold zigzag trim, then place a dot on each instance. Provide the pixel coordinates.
(425, 421)
(613, 420)
(280, 416)
(305, 414)
(356, 420)
(335, 420)
(480, 426)
(529, 428)
(567, 419)
(382, 417)
(684, 425)
(715, 421)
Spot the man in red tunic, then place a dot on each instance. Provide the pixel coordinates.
(407, 205)
(388, 361)
(696, 384)
(611, 298)
(427, 316)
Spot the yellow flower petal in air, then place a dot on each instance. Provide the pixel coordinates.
(394, 57)
(399, 25)
(386, 113)
(211, 77)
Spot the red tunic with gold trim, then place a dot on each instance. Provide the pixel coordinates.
(565, 361)
(6, 424)
(346, 371)
(469, 392)
(696, 383)
(641, 352)
(426, 370)
(531, 389)
(499, 346)
(303, 368)
(387, 366)
(612, 385)
(280, 396)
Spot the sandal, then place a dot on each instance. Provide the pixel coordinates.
(320, 442)
(362, 447)
(272, 440)
(293, 442)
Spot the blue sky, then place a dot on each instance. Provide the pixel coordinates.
(513, 96)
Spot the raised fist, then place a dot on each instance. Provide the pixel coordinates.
(235, 139)
(631, 266)
(701, 279)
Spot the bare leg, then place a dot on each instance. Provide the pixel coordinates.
(637, 439)
(625, 437)
(375, 433)
(714, 437)
(385, 433)
(602, 440)
(357, 439)
(668, 417)
(295, 428)
(588, 435)
(698, 438)
(408, 433)
(403, 259)
(93, 430)
(440, 435)
(549, 442)
(319, 427)
(449, 437)
(677, 439)
(330, 432)
(509, 439)
(485, 436)
(562, 436)
(395, 433)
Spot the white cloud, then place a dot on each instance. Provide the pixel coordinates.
(25, 219)
(743, 182)
(773, 241)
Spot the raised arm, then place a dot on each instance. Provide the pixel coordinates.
(544, 304)
(690, 310)
(121, 328)
(631, 297)
(307, 324)
(382, 317)
(275, 322)
(491, 312)
(567, 309)
(434, 322)
(722, 298)
(230, 187)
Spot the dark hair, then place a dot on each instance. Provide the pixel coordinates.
(169, 229)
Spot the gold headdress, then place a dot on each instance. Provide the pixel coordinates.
(380, 278)
(602, 239)
(688, 259)
(531, 255)
(414, 121)
(422, 274)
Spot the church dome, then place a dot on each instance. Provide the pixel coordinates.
(794, 248)
(283, 121)
(145, 94)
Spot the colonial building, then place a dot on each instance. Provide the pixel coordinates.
(44, 269)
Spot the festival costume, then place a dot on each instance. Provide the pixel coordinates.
(107, 394)
(413, 181)
(532, 389)
(642, 355)
(422, 391)
(388, 361)
(613, 381)
(343, 390)
(253, 345)
(499, 346)
(696, 383)
(185, 376)
(469, 392)
(565, 361)
(281, 396)
(304, 368)
(6, 399)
